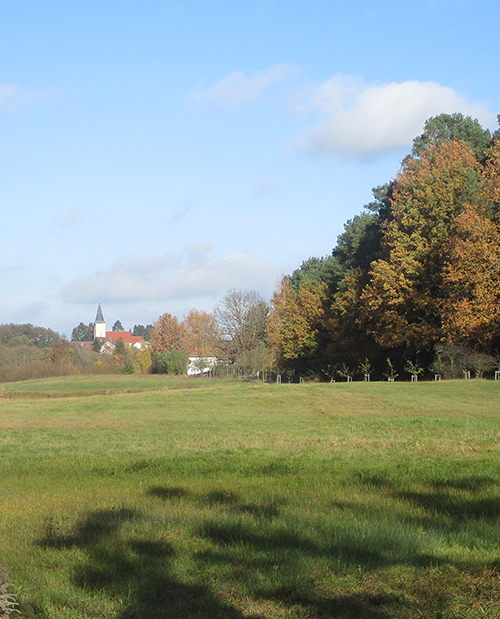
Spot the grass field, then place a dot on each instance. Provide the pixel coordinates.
(131, 497)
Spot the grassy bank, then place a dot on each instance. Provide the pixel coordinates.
(131, 497)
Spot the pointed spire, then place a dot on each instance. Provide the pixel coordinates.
(99, 317)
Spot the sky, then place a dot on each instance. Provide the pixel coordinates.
(156, 154)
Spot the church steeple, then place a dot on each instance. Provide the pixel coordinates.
(99, 317)
(100, 323)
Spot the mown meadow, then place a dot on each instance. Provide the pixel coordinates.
(129, 497)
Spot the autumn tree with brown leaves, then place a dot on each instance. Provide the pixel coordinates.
(295, 321)
(403, 299)
(201, 332)
(167, 334)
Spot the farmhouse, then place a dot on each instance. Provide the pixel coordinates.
(198, 364)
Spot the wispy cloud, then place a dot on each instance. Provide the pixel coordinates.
(13, 97)
(360, 120)
(183, 211)
(72, 218)
(237, 88)
(195, 272)
(6, 92)
(264, 188)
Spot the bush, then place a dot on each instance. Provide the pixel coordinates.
(452, 360)
(172, 362)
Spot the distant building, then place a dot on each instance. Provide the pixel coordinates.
(108, 339)
(198, 364)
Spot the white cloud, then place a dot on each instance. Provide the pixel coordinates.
(362, 121)
(238, 88)
(195, 272)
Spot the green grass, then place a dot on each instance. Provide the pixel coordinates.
(130, 497)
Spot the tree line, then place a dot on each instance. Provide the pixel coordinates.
(411, 286)
(414, 279)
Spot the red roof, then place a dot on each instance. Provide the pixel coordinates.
(126, 336)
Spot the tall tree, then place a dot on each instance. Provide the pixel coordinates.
(118, 326)
(241, 315)
(356, 247)
(295, 321)
(491, 180)
(83, 333)
(167, 334)
(450, 127)
(471, 307)
(201, 332)
(402, 300)
(143, 331)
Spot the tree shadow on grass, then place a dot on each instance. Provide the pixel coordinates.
(136, 569)
(459, 509)
(267, 509)
(249, 548)
(167, 493)
(465, 508)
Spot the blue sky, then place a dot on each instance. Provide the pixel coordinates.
(157, 154)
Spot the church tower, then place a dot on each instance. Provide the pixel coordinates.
(99, 324)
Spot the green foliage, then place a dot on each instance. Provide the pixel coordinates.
(356, 248)
(414, 368)
(390, 372)
(27, 335)
(327, 269)
(449, 127)
(83, 333)
(345, 371)
(143, 361)
(143, 331)
(257, 360)
(171, 362)
(127, 367)
(118, 326)
(121, 348)
(96, 345)
(359, 244)
(365, 367)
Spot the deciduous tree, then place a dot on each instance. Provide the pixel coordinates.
(242, 315)
(471, 305)
(167, 333)
(295, 320)
(200, 331)
(402, 300)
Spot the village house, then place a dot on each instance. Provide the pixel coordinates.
(198, 364)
